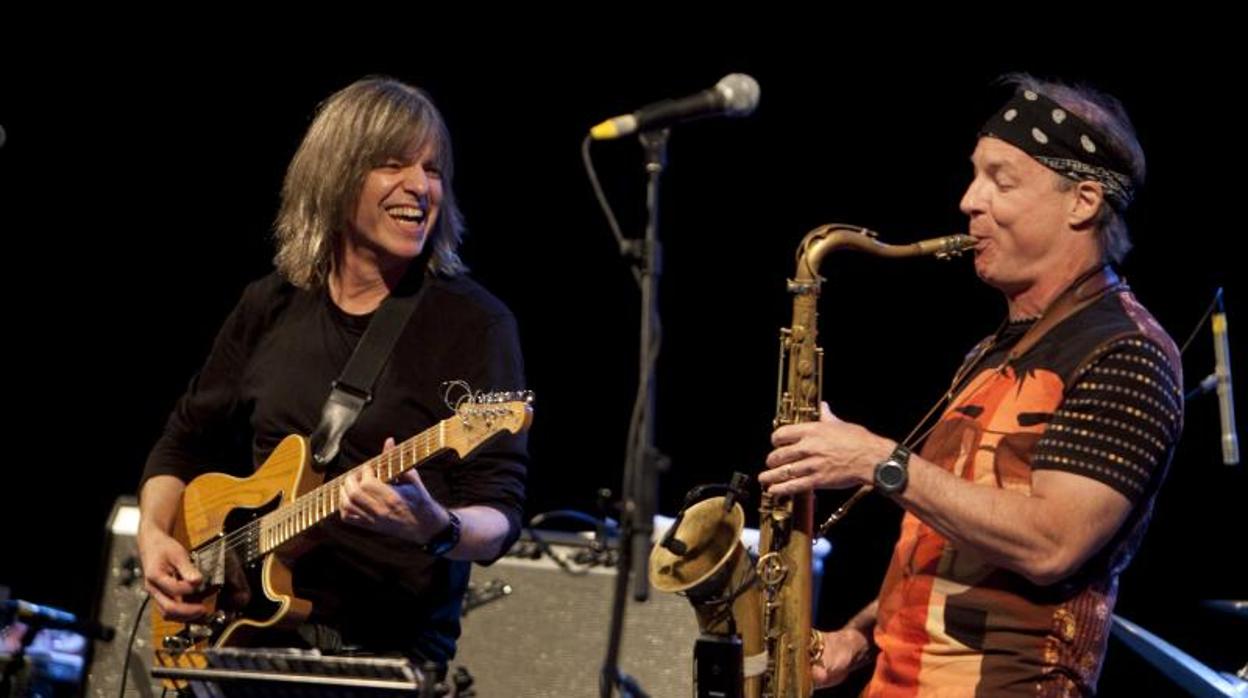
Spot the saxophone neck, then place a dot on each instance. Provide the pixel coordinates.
(819, 242)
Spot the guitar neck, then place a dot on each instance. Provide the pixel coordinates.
(313, 507)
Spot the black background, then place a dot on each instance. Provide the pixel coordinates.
(141, 176)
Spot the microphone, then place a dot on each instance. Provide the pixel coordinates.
(735, 95)
(671, 542)
(47, 617)
(1226, 400)
(736, 488)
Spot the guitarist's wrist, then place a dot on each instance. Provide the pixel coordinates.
(149, 531)
(445, 537)
(159, 504)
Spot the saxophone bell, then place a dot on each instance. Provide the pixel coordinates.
(715, 572)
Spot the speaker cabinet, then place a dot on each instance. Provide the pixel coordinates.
(548, 635)
(121, 596)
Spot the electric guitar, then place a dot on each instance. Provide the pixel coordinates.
(244, 533)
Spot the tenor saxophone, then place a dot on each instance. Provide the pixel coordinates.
(768, 602)
(785, 523)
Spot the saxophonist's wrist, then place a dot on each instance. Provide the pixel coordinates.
(877, 453)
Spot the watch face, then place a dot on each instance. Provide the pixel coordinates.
(890, 476)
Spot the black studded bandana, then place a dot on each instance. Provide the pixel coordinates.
(1062, 142)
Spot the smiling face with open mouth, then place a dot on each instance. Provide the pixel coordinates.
(398, 207)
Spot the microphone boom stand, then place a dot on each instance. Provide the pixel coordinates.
(643, 462)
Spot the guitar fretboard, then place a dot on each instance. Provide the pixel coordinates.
(464, 432)
(277, 527)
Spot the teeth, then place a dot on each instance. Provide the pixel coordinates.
(407, 212)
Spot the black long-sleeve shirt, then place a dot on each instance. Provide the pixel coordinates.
(268, 375)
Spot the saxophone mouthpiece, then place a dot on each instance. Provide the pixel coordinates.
(948, 246)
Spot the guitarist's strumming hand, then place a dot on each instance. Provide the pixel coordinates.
(169, 575)
(405, 510)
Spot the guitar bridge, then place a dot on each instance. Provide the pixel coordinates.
(177, 643)
(195, 633)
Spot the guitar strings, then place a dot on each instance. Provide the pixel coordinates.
(305, 504)
(308, 504)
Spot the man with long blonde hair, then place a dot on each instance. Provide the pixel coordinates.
(367, 213)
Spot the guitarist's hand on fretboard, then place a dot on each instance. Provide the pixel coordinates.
(405, 510)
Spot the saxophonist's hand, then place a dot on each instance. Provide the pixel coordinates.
(828, 454)
(844, 651)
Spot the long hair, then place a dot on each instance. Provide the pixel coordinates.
(359, 128)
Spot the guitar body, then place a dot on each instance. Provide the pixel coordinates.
(244, 599)
(245, 533)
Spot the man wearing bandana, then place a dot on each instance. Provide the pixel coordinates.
(1032, 491)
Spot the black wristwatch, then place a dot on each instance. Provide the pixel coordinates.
(892, 474)
(446, 539)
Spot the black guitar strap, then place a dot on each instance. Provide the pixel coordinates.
(353, 390)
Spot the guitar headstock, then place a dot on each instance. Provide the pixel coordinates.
(485, 415)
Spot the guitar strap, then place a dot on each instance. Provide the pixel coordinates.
(353, 390)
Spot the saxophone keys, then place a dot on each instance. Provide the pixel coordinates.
(771, 569)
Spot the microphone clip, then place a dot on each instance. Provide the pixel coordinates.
(735, 491)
